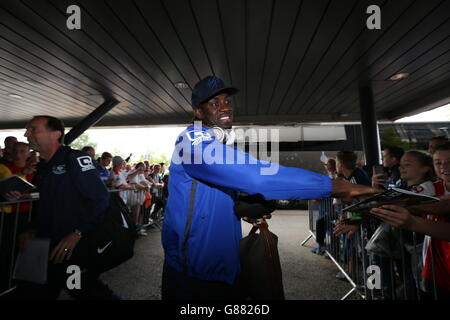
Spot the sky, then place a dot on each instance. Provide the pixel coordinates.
(123, 141)
(436, 115)
(160, 140)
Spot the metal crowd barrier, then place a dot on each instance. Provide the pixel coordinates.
(139, 204)
(400, 274)
(14, 215)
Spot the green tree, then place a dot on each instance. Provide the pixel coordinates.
(154, 158)
(391, 138)
(83, 141)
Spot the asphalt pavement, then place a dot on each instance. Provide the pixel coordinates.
(306, 276)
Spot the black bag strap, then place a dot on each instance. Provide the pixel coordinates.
(187, 230)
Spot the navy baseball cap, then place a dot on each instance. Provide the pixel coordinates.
(208, 88)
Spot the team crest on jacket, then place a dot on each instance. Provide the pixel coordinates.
(85, 163)
(59, 169)
(197, 136)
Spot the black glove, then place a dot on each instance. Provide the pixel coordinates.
(253, 207)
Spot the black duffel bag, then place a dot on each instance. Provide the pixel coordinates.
(112, 242)
(261, 276)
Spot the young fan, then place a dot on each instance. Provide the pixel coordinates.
(417, 173)
(436, 252)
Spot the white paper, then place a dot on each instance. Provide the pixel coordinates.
(32, 264)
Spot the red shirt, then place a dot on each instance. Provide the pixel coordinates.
(439, 250)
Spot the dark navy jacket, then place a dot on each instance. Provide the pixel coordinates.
(212, 248)
(68, 201)
(359, 176)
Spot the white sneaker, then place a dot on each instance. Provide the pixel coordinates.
(142, 232)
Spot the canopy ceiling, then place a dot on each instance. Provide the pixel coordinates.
(294, 61)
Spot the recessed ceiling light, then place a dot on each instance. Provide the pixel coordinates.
(15, 96)
(399, 76)
(181, 85)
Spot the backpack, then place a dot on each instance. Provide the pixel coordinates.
(111, 242)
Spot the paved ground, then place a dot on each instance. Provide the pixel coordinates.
(306, 276)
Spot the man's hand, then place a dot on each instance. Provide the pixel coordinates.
(342, 228)
(347, 191)
(29, 169)
(255, 222)
(109, 182)
(23, 239)
(378, 180)
(63, 251)
(394, 215)
(141, 186)
(12, 196)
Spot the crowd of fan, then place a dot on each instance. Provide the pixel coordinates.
(416, 171)
(142, 185)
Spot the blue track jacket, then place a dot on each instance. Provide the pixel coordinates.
(213, 244)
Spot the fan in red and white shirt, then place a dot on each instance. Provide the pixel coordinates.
(119, 177)
(434, 247)
(437, 252)
(414, 169)
(416, 173)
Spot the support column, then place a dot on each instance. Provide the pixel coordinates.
(369, 127)
(89, 121)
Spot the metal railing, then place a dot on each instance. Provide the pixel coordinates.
(13, 217)
(398, 267)
(143, 206)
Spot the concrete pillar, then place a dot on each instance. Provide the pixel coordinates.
(369, 126)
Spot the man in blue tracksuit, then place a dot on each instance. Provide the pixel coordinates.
(201, 234)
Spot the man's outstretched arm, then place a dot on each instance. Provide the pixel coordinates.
(347, 191)
(287, 183)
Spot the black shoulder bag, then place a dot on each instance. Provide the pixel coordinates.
(112, 241)
(261, 277)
